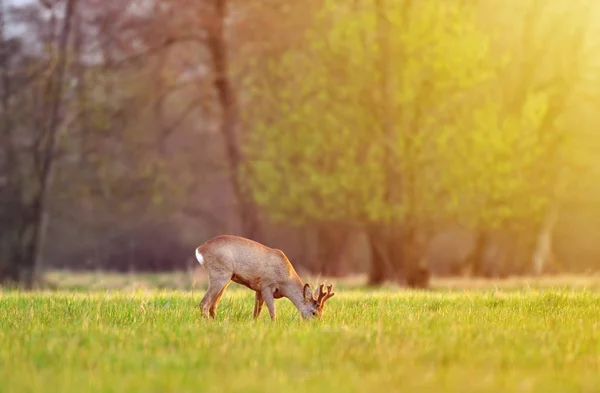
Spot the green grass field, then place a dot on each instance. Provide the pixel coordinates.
(368, 341)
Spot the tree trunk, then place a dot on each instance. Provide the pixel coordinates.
(380, 264)
(397, 255)
(217, 47)
(415, 272)
(474, 262)
(332, 241)
(10, 195)
(385, 258)
(542, 254)
(46, 172)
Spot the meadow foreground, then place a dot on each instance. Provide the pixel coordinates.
(526, 341)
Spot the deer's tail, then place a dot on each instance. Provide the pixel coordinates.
(199, 256)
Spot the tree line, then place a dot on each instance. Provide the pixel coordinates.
(379, 137)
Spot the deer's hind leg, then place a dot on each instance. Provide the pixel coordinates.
(213, 308)
(216, 286)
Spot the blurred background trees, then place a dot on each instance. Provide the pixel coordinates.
(399, 139)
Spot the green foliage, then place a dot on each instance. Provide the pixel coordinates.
(429, 120)
(118, 141)
(492, 163)
(318, 144)
(484, 342)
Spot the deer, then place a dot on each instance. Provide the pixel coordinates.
(265, 270)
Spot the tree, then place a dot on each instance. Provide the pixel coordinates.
(227, 96)
(322, 148)
(517, 149)
(31, 154)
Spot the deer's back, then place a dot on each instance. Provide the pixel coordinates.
(247, 259)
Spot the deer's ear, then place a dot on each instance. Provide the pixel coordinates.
(307, 292)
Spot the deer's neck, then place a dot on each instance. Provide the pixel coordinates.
(294, 291)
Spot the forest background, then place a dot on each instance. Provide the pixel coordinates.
(397, 139)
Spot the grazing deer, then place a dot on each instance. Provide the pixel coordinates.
(265, 270)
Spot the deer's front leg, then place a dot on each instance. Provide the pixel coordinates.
(267, 295)
(258, 304)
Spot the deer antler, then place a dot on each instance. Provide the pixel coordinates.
(323, 296)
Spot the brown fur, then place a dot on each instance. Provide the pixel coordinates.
(265, 270)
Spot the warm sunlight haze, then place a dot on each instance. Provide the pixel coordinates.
(314, 196)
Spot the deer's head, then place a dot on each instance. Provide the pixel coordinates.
(313, 304)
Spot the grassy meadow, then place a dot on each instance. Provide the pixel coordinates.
(525, 337)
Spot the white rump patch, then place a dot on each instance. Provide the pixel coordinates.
(199, 257)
